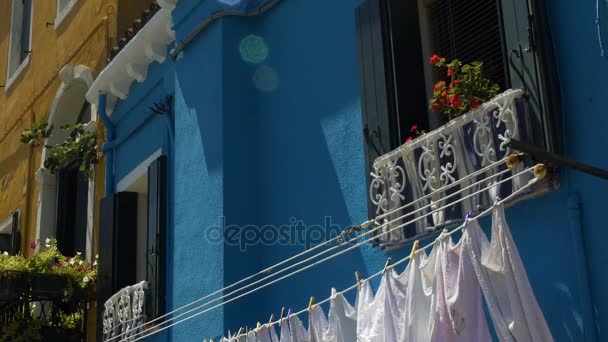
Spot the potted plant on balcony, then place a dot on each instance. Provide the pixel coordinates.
(13, 280)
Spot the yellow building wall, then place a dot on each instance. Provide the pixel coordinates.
(85, 38)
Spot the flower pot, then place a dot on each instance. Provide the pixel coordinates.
(48, 285)
(12, 285)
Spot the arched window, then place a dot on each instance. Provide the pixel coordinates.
(65, 209)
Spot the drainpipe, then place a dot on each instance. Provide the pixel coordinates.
(580, 259)
(101, 111)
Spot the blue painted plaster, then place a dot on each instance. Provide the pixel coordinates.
(286, 145)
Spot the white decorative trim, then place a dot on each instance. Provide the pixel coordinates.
(15, 33)
(149, 45)
(63, 13)
(137, 172)
(47, 203)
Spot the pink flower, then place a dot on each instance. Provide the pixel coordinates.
(414, 128)
(409, 139)
(33, 245)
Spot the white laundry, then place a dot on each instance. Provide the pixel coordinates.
(251, 336)
(317, 324)
(342, 322)
(504, 282)
(382, 319)
(458, 313)
(266, 333)
(298, 332)
(420, 274)
(285, 331)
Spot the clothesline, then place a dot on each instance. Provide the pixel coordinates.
(444, 233)
(158, 329)
(511, 161)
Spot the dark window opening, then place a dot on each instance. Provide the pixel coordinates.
(72, 206)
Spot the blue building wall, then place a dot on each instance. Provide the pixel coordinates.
(270, 134)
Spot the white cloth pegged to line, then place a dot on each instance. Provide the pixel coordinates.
(504, 282)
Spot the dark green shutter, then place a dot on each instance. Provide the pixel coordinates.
(117, 247)
(15, 234)
(531, 67)
(157, 207)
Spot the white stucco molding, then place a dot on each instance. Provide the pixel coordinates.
(149, 45)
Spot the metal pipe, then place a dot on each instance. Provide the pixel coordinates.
(101, 111)
(556, 158)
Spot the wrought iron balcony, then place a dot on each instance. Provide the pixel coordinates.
(41, 306)
(124, 313)
(421, 169)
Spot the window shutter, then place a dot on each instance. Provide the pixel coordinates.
(375, 62)
(155, 273)
(529, 54)
(117, 247)
(15, 234)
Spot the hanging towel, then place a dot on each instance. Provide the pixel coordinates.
(266, 333)
(504, 282)
(251, 336)
(419, 295)
(342, 320)
(285, 331)
(298, 332)
(382, 319)
(458, 315)
(317, 324)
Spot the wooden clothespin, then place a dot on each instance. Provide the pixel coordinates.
(271, 318)
(311, 303)
(282, 313)
(358, 277)
(388, 263)
(257, 326)
(414, 249)
(239, 332)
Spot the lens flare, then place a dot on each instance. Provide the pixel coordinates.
(253, 49)
(266, 78)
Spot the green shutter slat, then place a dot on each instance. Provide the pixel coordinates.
(155, 255)
(530, 62)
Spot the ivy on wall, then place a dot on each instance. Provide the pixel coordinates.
(80, 146)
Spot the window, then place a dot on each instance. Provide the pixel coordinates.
(20, 39)
(9, 234)
(132, 246)
(396, 39)
(63, 9)
(72, 202)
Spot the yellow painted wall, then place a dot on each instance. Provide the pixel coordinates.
(85, 37)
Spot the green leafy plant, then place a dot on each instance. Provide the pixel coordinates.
(464, 88)
(80, 146)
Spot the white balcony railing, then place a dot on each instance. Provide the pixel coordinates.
(124, 313)
(436, 160)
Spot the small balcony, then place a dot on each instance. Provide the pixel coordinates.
(456, 161)
(41, 307)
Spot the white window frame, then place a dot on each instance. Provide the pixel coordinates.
(63, 12)
(15, 44)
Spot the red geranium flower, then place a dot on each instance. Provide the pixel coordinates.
(435, 59)
(80, 268)
(409, 139)
(438, 86)
(57, 264)
(452, 84)
(444, 92)
(449, 72)
(475, 102)
(455, 101)
(414, 128)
